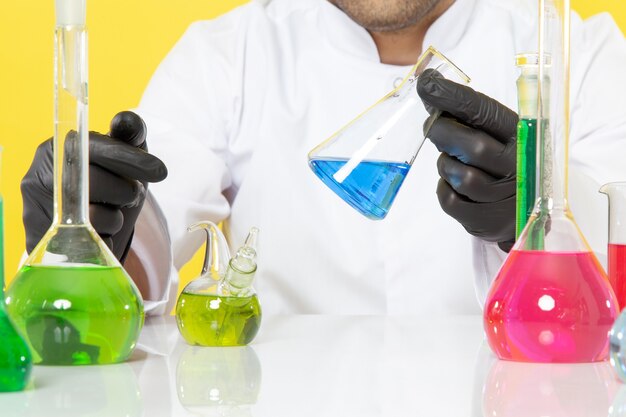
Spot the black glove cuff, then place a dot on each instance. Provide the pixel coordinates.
(506, 246)
(127, 249)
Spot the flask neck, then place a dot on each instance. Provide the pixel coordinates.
(239, 278)
(553, 104)
(616, 193)
(552, 167)
(242, 267)
(71, 160)
(527, 93)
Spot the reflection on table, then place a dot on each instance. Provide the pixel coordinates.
(322, 366)
(95, 391)
(513, 389)
(218, 381)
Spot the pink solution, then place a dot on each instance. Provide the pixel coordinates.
(617, 271)
(550, 307)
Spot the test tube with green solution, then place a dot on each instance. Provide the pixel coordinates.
(526, 139)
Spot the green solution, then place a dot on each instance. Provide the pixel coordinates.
(76, 315)
(526, 171)
(16, 361)
(214, 320)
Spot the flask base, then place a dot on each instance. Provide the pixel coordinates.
(213, 320)
(370, 188)
(552, 307)
(76, 315)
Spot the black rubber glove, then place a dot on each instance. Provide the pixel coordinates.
(119, 171)
(477, 138)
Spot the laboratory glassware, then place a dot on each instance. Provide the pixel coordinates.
(616, 192)
(72, 299)
(221, 308)
(366, 161)
(526, 138)
(16, 361)
(618, 407)
(551, 300)
(617, 346)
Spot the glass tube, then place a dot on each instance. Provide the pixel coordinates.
(526, 138)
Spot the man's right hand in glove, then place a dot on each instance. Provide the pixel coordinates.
(120, 169)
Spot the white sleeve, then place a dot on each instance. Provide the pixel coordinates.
(487, 259)
(151, 249)
(597, 138)
(188, 107)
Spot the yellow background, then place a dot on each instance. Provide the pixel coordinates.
(127, 40)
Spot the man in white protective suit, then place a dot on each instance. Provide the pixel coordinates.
(235, 107)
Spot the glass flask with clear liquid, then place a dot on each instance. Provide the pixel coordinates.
(72, 299)
(221, 308)
(366, 161)
(16, 361)
(551, 301)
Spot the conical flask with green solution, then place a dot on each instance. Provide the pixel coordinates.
(16, 361)
(221, 308)
(72, 300)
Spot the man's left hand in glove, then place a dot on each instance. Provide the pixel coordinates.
(476, 136)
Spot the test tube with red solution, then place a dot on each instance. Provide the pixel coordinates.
(616, 192)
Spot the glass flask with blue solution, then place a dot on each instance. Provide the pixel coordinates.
(366, 161)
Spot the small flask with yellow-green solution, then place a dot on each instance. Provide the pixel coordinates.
(221, 308)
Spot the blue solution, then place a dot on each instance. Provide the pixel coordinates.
(370, 188)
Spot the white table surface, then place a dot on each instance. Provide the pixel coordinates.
(323, 366)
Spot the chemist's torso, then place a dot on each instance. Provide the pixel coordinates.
(300, 70)
(309, 70)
